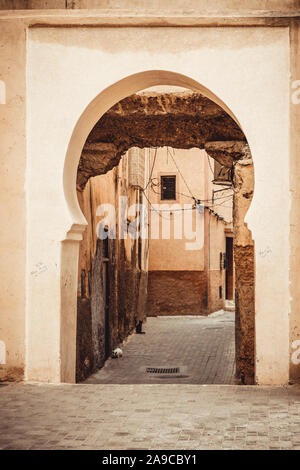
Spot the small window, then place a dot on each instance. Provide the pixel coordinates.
(168, 187)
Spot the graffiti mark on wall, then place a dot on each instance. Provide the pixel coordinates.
(2, 353)
(39, 268)
(296, 93)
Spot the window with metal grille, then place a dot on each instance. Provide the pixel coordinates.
(168, 187)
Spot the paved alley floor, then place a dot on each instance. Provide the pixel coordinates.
(124, 407)
(147, 416)
(200, 350)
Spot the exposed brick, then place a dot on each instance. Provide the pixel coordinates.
(177, 293)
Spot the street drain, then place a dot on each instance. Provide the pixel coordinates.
(163, 370)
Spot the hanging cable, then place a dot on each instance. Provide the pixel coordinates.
(181, 173)
(208, 159)
(153, 208)
(150, 176)
(190, 197)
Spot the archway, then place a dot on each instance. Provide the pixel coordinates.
(106, 100)
(239, 157)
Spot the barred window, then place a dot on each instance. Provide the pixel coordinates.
(168, 187)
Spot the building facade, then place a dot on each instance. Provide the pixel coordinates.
(190, 269)
(61, 70)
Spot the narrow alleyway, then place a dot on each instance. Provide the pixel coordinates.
(189, 349)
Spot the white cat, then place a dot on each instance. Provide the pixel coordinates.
(117, 353)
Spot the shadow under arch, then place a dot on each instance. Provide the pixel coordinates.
(243, 185)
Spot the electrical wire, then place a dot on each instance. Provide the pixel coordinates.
(153, 208)
(209, 164)
(180, 172)
(150, 176)
(185, 195)
(150, 180)
(210, 202)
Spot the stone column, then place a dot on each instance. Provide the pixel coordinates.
(236, 155)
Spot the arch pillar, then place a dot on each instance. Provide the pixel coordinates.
(244, 256)
(237, 155)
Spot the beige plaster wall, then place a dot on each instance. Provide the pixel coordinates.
(172, 254)
(224, 5)
(295, 206)
(248, 68)
(12, 196)
(193, 178)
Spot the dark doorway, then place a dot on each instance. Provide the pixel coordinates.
(229, 268)
(106, 294)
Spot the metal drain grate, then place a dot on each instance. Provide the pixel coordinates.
(163, 370)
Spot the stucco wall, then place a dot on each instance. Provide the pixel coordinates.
(295, 206)
(247, 68)
(216, 245)
(223, 5)
(190, 280)
(189, 168)
(12, 195)
(185, 291)
(107, 55)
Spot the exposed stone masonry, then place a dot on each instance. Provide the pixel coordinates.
(178, 120)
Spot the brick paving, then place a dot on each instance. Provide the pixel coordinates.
(143, 416)
(203, 348)
(160, 415)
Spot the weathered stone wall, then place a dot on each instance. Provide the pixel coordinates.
(179, 120)
(91, 320)
(216, 280)
(99, 328)
(245, 307)
(243, 183)
(244, 270)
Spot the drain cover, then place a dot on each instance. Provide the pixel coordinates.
(163, 370)
(174, 371)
